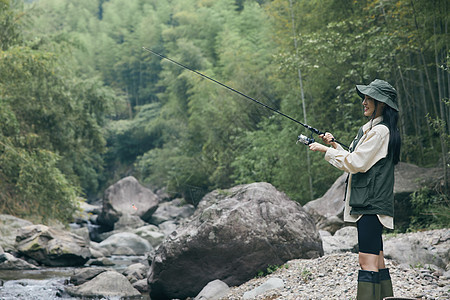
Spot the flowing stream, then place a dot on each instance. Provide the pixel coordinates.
(48, 283)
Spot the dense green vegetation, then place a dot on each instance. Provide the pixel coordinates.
(82, 104)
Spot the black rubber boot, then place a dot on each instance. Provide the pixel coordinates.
(385, 284)
(368, 285)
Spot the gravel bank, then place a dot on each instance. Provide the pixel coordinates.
(335, 277)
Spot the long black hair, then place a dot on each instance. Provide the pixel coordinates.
(390, 118)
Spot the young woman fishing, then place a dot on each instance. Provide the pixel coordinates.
(370, 187)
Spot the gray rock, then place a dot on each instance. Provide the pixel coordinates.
(98, 251)
(83, 275)
(332, 202)
(446, 275)
(104, 235)
(174, 210)
(152, 234)
(141, 285)
(409, 178)
(120, 198)
(330, 224)
(168, 227)
(344, 240)
(9, 262)
(135, 243)
(128, 222)
(324, 233)
(9, 227)
(82, 232)
(124, 251)
(52, 247)
(420, 248)
(137, 271)
(272, 283)
(106, 284)
(233, 234)
(101, 261)
(214, 290)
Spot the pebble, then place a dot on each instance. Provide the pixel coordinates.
(334, 276)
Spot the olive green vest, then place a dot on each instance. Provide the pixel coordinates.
(372, 192)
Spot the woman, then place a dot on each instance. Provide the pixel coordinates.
(370, 187)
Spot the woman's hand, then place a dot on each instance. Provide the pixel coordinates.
(318, 147)
(328, 139)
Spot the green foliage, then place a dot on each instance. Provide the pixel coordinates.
(51, 137)
(431, 210)
(10, 24)
(306, 275)
(31, 183)
(65, 113)
(128, 139)
(271, 269)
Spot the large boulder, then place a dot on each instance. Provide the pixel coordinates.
(409, 178)
(127, 196)
(332, 202)
(9, 227)
(52, 247)
(420, 248)
(328, 209)
(232, 235)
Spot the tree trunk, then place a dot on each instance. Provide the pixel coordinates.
(424, 102)
(442, 128)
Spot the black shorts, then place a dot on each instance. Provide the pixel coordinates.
(369, 234)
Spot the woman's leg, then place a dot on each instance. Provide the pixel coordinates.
(385, 278)
(381, 264)
(370, 246)
(370, 243)
(372, 262)
(369, 262)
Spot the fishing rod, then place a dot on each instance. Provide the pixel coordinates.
(301, 138)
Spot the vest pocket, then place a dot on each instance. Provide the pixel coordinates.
(361, 190)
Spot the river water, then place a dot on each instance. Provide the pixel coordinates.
(48, 283)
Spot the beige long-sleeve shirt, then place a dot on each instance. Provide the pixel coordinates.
(372, 147)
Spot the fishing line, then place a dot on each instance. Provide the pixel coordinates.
(301, 138)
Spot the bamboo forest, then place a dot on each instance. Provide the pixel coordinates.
(82, 104)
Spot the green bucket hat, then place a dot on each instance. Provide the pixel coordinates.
(379, 90)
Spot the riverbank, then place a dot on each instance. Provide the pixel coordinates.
(49, 283)
(334, 277)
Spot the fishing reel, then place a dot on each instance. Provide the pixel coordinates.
(305, 140)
